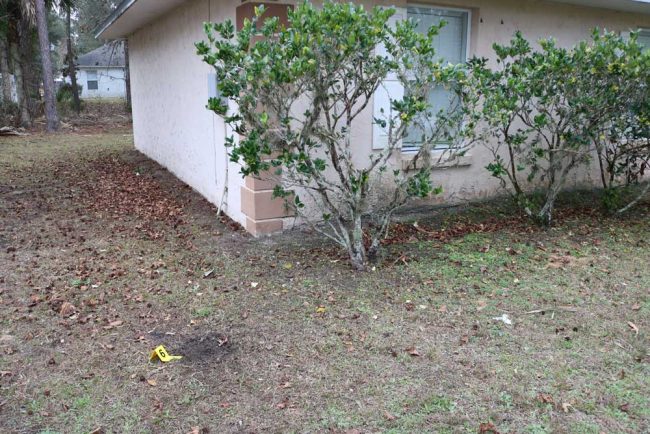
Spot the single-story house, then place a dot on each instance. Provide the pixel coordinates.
(171, 85)
(101, 72)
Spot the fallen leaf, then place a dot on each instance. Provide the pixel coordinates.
(566, 406)
(464, 339)
(636, 306)
(151, 382)
(412, 352)
(545, 398)
(625, 408)
(481, 305)
(34, 300)
(633, 327)
(443, 308)
(389, 416)
(487, 428)
(113, 324)
(67, 309)
(320, 309)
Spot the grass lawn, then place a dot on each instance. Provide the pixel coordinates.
(104, 255)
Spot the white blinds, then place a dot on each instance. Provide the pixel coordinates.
(451, 46)
(644, 38)
(451, 43)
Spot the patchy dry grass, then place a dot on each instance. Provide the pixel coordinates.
(279, 335)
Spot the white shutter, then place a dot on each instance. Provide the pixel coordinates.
(390, 89)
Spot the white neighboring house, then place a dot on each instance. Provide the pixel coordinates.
(101, 72)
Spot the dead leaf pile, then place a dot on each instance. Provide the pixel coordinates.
(407, 232)
(120, 191)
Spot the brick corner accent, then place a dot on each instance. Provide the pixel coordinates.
(264, 213)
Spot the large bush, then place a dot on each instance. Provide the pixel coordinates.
(65, 97)
(296, 95)
(623, 143)
(544, 113)
(9, 113)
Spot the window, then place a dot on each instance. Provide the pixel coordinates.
(644, 38)
(91, 80)
(451, 46)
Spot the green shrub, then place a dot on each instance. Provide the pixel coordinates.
(299, 92)
(9, 112)
(544, 113)
(64, 97)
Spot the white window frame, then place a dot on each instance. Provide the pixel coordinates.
(645, 31)
(446, 8)
(468, 44)
(88, 80)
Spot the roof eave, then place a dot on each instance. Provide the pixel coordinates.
(117, 13)
(100, 66)
(148, 10)
(633, 6)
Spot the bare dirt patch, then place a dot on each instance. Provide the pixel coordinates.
(201, 347)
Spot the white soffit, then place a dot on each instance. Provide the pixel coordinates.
(637, 6)
(130, 15)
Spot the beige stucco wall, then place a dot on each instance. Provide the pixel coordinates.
(496, 21)
(169, 84)
(169, 92)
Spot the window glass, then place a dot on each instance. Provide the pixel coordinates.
(91, 78)
(644, 38)
(451, 46)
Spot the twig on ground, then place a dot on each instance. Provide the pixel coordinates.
(562, 308)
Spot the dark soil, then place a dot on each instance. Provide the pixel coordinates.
(199, 347)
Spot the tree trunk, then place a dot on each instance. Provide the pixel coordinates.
(127, 74)
(16, 61)
(4, 70)
(46, 60)
(357, 250)
(31, 72)
(72, 72)
(636, 200)
(545, 216)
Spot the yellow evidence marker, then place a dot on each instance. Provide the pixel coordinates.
(161, 353)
